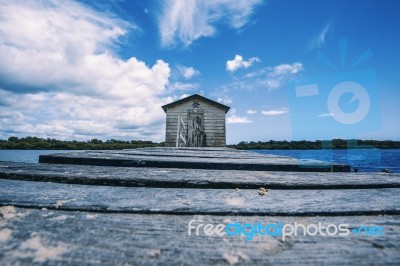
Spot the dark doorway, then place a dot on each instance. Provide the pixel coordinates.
(196, 136)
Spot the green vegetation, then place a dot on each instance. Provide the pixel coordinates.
(318, 144)
(34, 143)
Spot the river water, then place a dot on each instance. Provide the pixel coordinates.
(371, 160)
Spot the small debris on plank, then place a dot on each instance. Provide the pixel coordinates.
(59, 203)
(90, 216)
(154, 252)
(262, 191)
(231, 259)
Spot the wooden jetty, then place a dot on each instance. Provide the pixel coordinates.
(193, 158)
(133, 207)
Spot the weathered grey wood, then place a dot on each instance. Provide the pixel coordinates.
(55, 237)
(199, 201)
(193, 178)
(205, 159)
(207, 152)
(139, 216)
(196, 136)
(213, 116)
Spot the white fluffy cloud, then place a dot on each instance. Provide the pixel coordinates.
(279, 74)
(277, 112)
(188, 72)
(251, 112)
(235, 119)
(238, 62)
(184, 96)
(326, 115)
(188, 20)
(270, 78)
(60, 78)
(286, 70)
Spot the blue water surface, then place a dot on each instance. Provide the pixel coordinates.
(366, 160)
(371, 160)
(26, 156)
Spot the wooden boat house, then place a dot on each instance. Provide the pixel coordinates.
(195, 121)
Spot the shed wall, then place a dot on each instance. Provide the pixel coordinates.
(214, 123)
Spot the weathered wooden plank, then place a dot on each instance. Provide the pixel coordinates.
(222, 151)
(215, 118)
(162, 162)
(209, 113)
(204, 152)
(215, 137)
(252, 162)
(217, 128)
(211, 123)
(190, 178)
(217, 133)
(199, 201)
(206, 110)
(55, 237)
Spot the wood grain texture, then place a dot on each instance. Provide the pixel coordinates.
(212, 116)
(83, 238)
(199, 201)
(57, 214)
(193, 178)
(232, 160)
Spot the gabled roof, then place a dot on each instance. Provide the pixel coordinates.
(194, 97)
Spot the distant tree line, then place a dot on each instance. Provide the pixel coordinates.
(34, 143)
(317, 145)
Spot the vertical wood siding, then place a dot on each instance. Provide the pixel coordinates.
(214, 123)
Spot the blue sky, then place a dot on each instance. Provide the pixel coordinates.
(102, 69)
